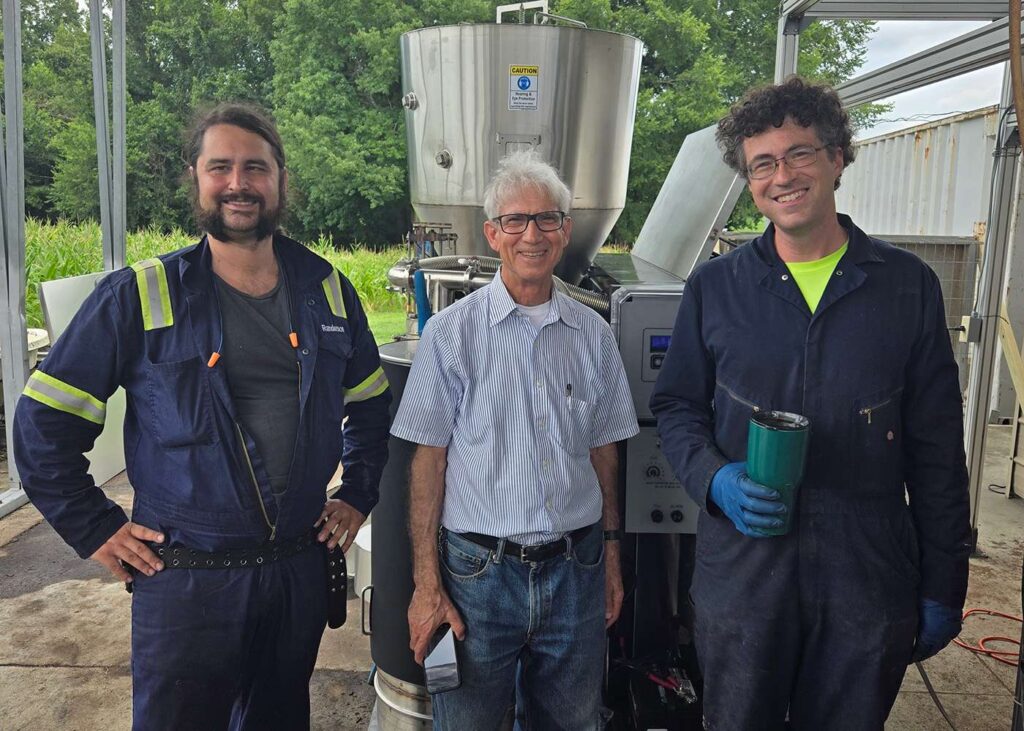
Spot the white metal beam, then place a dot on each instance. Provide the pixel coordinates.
(118, 197)
(13, 343)
(910, 10)
(974, 50)
(100, 112)
(989, 301)
(787, 46)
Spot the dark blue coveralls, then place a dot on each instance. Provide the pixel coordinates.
(211, 649)
(819, 623)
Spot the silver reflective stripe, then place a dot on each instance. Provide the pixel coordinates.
(332, 288)
(53, 392)
(154, 294)
(374, 385)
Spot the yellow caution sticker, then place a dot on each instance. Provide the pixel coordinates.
(523, 87)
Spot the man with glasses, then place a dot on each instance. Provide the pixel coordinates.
(817, 318)
(516, 399)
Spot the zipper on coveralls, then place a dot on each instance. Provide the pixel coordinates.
(743, 401)
(867, 411)
(255, 483)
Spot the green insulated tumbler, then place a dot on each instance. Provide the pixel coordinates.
(776, 453)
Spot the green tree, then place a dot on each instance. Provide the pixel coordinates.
(337, 90)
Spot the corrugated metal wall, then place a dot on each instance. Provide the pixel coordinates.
(927, 189)
(930, 180)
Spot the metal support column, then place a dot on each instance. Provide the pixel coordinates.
(13, 343)
(787, 46)
(100, 108)
(990, 295)
(115, 257)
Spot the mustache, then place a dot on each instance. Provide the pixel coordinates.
(241, 198)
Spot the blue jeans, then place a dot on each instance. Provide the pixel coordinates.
(539, 625)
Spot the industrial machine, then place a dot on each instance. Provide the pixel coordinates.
(472, 94)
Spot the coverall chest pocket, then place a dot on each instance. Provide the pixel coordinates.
(334, 350)
(876, 444)
(732, 419)
(180, 403)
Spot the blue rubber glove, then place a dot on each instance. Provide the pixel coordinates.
(749, 505)
(937, 625)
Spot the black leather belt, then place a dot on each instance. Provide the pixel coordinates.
(176, 557)
(540, 552)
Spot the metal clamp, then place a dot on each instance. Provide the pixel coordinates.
(362, 610)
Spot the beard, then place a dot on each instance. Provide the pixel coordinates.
(212, 220)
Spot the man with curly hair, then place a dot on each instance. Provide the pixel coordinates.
(815, 317)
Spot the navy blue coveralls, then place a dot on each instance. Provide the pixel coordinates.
(819, 623)
(211, 649)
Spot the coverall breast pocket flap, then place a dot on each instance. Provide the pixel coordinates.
(180, 403)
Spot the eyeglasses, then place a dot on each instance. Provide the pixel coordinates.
(798, 157)
(516, 223)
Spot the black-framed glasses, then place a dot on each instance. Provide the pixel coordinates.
(798, 157)
(516, 223)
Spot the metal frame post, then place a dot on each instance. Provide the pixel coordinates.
(115, 258)
(100, 107)
(990, 295)
(787, 45)
(13, 342)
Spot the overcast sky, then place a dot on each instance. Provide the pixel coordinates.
(898, 39)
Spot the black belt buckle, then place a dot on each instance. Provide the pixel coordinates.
(337, 586)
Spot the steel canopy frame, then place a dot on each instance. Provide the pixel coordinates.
(883, 10)
(974, 50)
(13, 340)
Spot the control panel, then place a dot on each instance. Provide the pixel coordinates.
(655, 501)
(642, 319)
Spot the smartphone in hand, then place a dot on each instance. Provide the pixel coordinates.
(441, 665)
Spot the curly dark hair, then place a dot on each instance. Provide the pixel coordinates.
(810, 105)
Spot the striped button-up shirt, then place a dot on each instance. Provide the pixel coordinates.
(519, 409)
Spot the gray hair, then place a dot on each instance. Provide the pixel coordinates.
(520, 171)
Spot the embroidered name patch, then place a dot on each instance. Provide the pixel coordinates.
(333, 328)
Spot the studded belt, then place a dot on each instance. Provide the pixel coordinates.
(177, 557)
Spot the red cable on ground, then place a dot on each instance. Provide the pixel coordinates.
(1007, 657)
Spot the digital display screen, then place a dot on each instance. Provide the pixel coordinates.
(659, 343)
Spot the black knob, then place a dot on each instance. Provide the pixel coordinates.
(657, 516)
(677, 516)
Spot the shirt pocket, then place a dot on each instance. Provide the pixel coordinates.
(876, 440)
(180, 402)
(574, 427)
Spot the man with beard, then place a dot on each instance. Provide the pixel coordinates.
(241, 356)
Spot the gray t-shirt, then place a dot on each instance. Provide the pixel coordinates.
(262, 372)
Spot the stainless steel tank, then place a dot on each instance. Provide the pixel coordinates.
(474, 93)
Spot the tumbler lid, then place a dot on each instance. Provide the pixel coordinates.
(780, 420)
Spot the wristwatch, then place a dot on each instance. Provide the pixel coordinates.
(613, 535)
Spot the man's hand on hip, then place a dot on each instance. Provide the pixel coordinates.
(750, 506)
(612, 583)
(429, 609)
(126, 546)
(338, 521)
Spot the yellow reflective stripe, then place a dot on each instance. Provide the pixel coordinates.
(332, 288)
(55, 393)
(154, 295)
(374, 385)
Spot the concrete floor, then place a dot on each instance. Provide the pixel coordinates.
(64, 657)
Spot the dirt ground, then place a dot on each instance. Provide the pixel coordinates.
(64, 654)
